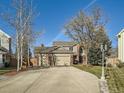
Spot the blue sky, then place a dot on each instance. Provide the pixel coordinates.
(54, 14)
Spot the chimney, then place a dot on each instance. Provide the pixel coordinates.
(42, 45)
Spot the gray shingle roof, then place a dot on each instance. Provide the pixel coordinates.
(56, 45)
(3, 49)
(64, 43)
(49, 50)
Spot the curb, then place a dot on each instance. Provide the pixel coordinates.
(103, 86)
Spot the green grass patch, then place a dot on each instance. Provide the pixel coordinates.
(115, 76)
(96, 70)
(5, 70)
(116, 80)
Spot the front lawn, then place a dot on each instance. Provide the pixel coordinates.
(96, 70)
(115, 76)
(5, 70)
(116, 80)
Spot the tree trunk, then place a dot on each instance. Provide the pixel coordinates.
(86, 57)
(21, 53)
(18, 54)
(28, 56)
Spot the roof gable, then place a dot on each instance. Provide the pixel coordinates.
(120, 32)
(4, 34)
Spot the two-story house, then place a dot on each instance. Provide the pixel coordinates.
(5, 48)
(60, 54)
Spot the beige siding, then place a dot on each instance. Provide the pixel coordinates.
(75, 49)
(4, 41)
(119, 51)
(1, 60)
(121, 46)
(63, 48)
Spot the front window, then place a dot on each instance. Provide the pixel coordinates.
(81, 50)
(71, 48)
(0, 42)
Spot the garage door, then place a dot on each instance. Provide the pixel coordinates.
(63, 59)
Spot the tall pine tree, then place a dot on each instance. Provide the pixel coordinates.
(95, 54)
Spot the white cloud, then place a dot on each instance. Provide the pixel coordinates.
(90, 4)
(61, 34)
(58, 37)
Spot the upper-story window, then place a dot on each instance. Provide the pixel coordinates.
(71, 48)
(81, 50)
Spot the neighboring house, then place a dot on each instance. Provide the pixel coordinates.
(60, 54)
(5, 48)
(121, 45)
(112, 59)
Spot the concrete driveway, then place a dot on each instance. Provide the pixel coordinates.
(51, 80)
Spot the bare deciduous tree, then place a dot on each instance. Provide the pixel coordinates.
(83, 29)
(21, 19)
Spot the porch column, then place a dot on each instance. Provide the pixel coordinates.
(71, 58)
(39, 59)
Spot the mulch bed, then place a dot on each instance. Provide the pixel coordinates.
(14, 72)
(11, 73)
